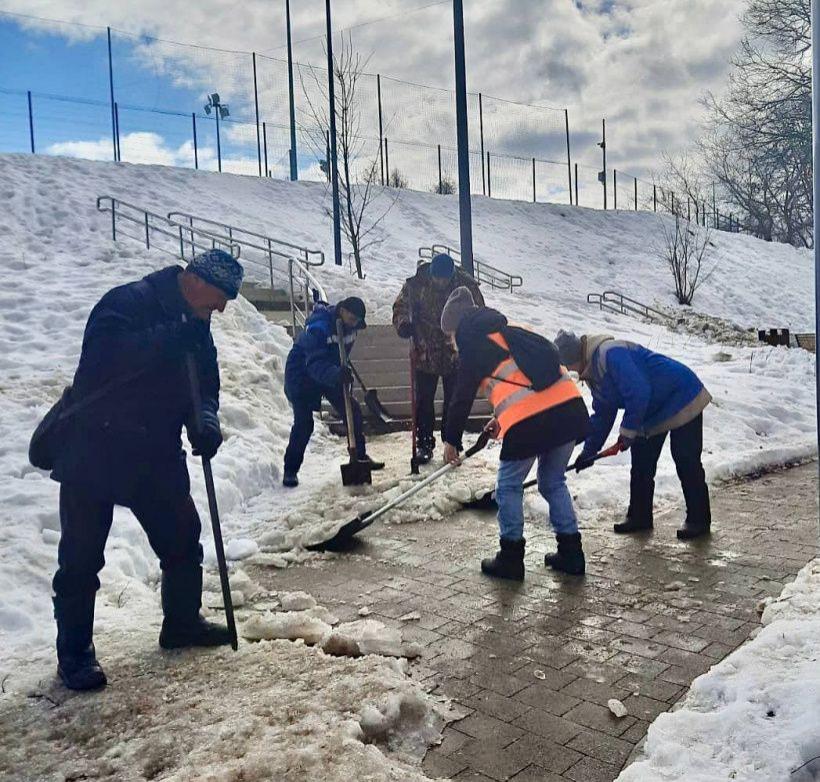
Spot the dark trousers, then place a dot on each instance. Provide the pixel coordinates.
(426, 386)
(170, 520)
(687, 446)
(302, 429)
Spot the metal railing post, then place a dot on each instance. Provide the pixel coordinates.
(147, 233)
(292, 298)
(113, 220)
(270, 265)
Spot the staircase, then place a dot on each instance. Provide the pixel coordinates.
(383, 361)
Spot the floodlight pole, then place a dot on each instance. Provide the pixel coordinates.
(334, 171)
(218, 143)
(465, 206)
(294, 166)
(815, 107)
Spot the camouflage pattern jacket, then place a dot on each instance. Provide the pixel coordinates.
(420, 303)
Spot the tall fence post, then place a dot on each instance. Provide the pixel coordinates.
(654, 197)
(387, 160)
(294, 160)
(256, 108)
(577, 203)
(265, 147)
(636, 193)
(481, 136)
(489, 177)
(381, 126)
(111, 92)
(569, 155)
(117, 131)
(30, 122)
(533, 181)
(615, 188)
(196, 151)
(440, 184)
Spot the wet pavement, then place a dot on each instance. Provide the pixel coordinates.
(532, 666)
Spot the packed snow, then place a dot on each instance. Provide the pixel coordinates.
(58, 258)
(754, 716)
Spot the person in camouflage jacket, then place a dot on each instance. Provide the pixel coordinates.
(417, 316)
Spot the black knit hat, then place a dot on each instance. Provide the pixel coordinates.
(355, 306)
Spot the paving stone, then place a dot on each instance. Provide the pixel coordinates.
(498, 763)
(557, 703)
(591, 770)
(677, 640)
(438, 765)
(592, 715)
(535, 773)
(645, 708)
(498, 706)
(556, 729)
(452, 740)
(602, 746)
(489, 729)
(652, 688)
(553, 756)
(589, 690)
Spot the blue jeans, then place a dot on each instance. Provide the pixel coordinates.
(509, 492)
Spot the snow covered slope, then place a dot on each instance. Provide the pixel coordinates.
(57, 259)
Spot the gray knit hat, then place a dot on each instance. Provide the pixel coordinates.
(219, 269)
(459, 304)
(569, 348)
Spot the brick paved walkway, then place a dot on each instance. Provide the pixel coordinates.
(534, 665)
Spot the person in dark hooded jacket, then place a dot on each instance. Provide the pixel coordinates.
(313, 371)
(539, 414)
(125, 449)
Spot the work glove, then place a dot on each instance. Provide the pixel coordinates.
(625, 443)
(206, 442)
(406, 330)
(493, 428)
(345, 375)
(584, 461)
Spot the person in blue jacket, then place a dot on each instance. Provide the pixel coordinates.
(313, 370)
(658, 396)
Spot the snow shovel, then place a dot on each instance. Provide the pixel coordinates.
(196, 399)
(364, 520)
(355, 472)
(486, 501)
(371, 398)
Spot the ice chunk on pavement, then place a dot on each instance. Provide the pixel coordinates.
(288, 626)
(617, 708)
(241, 548)
(367, 636)
(297, 601)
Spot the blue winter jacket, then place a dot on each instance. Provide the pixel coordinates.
(313, 362)
(655, 392)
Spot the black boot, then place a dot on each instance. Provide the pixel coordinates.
(690, 531)
(181, 600)
(426, 447)
(374, 465)
(508, 562)
(570, 556)
(631, 524)
(77, 664)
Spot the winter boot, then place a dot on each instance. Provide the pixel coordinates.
(426, 447)
(631, 524)
(374, 465)
(570, 556)
(691, 531)
(508, 562)
(77, 664)
(290, 480)
(181, 600)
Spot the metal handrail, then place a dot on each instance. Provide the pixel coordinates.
(613, 301)
(484, 272)
(305, 255)
(154, 223)
(311, 290)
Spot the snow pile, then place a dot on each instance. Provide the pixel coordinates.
(272, 710)
(368, 636)
(755, 715)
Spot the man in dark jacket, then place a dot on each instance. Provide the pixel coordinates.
(313, 370)
(658, 396)
(125, 449)
(539, 413)
(417, 316)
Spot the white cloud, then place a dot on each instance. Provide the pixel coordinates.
(641, 63)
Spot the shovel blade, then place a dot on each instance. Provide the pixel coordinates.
(484, 501)
(356, 473)
(344, 537)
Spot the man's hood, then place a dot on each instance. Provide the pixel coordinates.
(589, 344)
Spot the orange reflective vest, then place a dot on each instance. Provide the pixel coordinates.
(511, 393)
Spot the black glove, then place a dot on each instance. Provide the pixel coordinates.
(584, 461)
(207, 441)
(625, 443)
(406, 330)
(345, 375)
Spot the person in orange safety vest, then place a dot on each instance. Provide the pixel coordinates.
(538, 413)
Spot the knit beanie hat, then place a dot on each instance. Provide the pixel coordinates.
(219, 269)
(442, 266)
(355, 306)
(459, 303)
(569, 348)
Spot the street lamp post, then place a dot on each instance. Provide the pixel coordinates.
(221, 111)
(334, 170)
(294, 167)
(465, 206)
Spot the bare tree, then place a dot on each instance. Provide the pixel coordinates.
(685, 250)
(759, 143)
(397, 180)
(364, 203)
(447, 186)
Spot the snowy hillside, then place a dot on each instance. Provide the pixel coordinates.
(57, 259)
